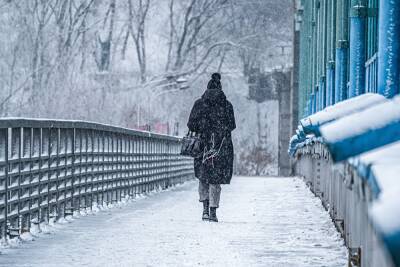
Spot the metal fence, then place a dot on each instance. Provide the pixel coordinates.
(347, 197)
(49, 169)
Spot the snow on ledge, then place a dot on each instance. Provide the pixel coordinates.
(10, 122)
(362, 122)
(363, 131)
(339, 110)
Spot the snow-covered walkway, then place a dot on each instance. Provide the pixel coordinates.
(263, 222)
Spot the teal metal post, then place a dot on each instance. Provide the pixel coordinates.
(389, 48)
(322, 92)
(341, 74)
(342, 50)
(357, 47)
(314, 99)
(319, 100)
(330, 84)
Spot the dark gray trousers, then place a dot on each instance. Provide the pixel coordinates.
(211, 192)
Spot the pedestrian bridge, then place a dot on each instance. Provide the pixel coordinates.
(77, 193)
(56, 174)
(263, 222)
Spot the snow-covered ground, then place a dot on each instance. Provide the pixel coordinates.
(263, 222)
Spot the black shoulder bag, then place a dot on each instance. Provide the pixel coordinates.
(192, 145)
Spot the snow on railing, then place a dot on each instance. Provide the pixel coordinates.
(362, 190)
(51, 168)
(311, 124)
(363, 131)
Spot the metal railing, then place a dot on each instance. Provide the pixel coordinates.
(347, 197)
(49, 169)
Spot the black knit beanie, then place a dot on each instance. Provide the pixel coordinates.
(215, 82)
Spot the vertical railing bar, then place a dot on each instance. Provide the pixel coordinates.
(57, 173)
(38, 136)
(73, 144)
(98, 168)
(29, 216)
(111, 168)
(48, 174)
(91, 174)
(86, 156)
(102, 167)
(80, 171)
(19, 177)
(107, 166)
(63, 139)
(95, 177)
(6, 168)
(117, 157)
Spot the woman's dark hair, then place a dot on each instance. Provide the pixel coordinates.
(215, 82)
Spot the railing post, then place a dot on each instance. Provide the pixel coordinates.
(35, 158)
(15, 182)
(96, 163)
(341, 57)
(53, 179)
(45, 170)
(4, 172)
(136, 164)
(140, 164)
(110, 167)
(77, 169)
(330, 83)
(84, 166)
(357, 47)
(89, 169)
(114, 151)
(341, 71)
(102, 167)
(129, 163)
(120, 167)
(26, 179)
(322, 88)
(69, 173)
(388, 48)
(62, 171)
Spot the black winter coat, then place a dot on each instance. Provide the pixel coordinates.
(212, 117)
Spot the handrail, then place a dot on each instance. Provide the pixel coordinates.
(51, 168)
(70, 124)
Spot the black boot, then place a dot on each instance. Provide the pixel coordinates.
(213, 215)
(206, 210)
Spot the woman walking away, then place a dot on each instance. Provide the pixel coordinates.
(213, 119)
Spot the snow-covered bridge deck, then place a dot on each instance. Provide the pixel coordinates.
(263, 222)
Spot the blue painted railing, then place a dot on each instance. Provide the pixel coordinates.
(363, 134)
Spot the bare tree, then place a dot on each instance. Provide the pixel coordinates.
(258, 27)
(193, 40)
(136, 28)
(105, 39)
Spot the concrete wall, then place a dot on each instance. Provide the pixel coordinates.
(285, 121)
